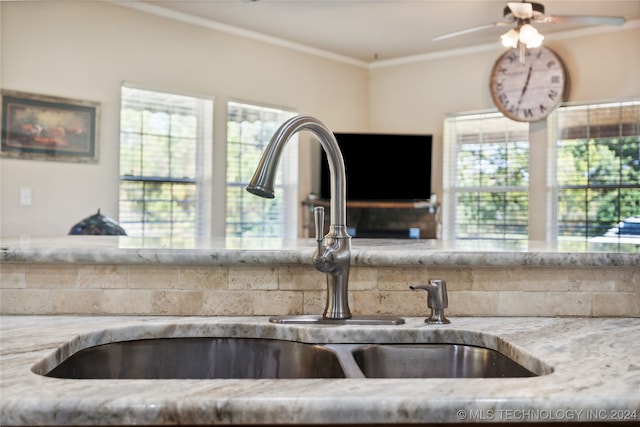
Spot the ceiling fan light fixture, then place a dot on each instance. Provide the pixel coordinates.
(530, 36)
(510, 38)
(537, 42)
(521, 14)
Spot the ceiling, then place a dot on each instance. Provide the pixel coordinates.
(367, 31)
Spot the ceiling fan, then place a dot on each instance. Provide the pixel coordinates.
(525, 13)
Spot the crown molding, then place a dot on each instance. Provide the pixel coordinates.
(240, 32)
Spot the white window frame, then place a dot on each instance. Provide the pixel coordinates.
(203, 106)
(542, 175)
(553, 187)
(450, 168)
(284, 219)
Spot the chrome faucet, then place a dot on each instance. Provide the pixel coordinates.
(333, 252)
(437, 300)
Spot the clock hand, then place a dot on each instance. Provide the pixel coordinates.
(526, 84)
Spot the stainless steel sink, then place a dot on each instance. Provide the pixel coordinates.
(253, 358)
(201, 358)
(435, 361)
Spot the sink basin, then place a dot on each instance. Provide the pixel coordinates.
(200, 358)
(254, 358)
(435, 361)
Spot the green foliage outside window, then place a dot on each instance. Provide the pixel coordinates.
(599, 184)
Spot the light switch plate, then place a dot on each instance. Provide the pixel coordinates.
(25, 196)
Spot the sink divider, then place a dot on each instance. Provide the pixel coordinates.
(344, 352)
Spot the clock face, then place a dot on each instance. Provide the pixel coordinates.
(529, 91)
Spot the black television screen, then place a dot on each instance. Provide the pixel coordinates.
(382, 167)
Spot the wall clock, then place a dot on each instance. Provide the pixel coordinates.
(528, 91)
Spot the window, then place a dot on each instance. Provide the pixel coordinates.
(591, 155)
(597, 179)
(489, 175)
(249, 130)
(165, 143)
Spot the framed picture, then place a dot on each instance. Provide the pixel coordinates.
(37, 127)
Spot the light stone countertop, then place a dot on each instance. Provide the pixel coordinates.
(591, 370)
(270, 251)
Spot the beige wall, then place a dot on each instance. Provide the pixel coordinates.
(85, 50)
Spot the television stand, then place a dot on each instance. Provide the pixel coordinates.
(381, 219)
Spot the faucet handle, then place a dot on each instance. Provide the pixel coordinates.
(318, 216)
(437, 300)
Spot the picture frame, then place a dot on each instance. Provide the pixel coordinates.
(39, 127)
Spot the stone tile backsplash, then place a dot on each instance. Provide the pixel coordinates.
(102, 289)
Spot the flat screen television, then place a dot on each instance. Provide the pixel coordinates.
(382, 167)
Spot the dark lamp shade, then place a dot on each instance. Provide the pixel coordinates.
(99, 225)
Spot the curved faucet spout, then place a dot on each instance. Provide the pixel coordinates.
(333, 254)
(263, 180)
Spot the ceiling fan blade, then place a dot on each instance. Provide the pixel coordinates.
(582, 19)
(522, 10)
(470, 30)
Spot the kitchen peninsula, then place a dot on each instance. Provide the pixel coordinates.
(116, 275)
(571, 315)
